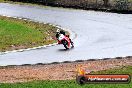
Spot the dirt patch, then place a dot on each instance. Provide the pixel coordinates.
(61, 71)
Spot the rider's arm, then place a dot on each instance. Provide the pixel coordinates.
(57, 35)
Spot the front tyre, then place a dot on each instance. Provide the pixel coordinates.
(65, 43)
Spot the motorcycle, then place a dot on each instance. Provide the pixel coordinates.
(66, 41)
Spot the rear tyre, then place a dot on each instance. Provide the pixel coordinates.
(72, 44)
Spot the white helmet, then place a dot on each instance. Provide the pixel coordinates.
(58, 30)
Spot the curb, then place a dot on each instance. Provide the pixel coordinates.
(21, 50)
(75, 61)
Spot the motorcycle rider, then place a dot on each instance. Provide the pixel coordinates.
(58, 32)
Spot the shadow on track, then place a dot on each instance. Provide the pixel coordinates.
(65, 49)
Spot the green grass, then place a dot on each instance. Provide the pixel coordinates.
(121, 70)
(16, 34)
(72, 83)
(2, 0)
(62, 84)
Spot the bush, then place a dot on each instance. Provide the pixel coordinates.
(86, 4)
(121, 4)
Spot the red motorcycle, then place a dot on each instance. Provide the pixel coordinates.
(65, 40)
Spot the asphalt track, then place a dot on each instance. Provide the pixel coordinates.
(96, 35)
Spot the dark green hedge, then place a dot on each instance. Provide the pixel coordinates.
(119, 5)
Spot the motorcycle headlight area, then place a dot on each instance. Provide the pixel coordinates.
(61, 36)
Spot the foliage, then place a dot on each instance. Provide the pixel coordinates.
(121, 4)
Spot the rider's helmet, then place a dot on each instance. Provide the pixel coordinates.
(58, 30)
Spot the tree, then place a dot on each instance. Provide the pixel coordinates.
(106, 3)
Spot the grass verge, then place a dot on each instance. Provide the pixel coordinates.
(120, 70)
(72, 83)
(2, 1)
(20, 34)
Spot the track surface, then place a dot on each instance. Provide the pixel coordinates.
(99, 34)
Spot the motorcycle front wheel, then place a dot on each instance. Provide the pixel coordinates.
(65, 43)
